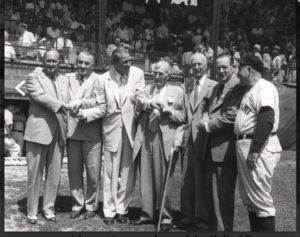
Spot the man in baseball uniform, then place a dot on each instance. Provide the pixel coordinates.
(257, 145)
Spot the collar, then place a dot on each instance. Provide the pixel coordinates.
(201, 80)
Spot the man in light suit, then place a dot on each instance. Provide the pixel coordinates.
(157, 134)
(120, 89)
(225, 100)
(45, 134)
(84, 141)
(195, 198)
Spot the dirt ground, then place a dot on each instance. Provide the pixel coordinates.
(284, 191)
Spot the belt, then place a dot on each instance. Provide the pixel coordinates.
(17, 130)
(250, 136)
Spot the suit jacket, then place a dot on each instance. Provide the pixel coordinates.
(78, 129)
(117, 114)
(44, 119)
(169, 125)
(194, 113)
(222, 114)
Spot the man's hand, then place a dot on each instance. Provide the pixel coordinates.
(66, 107)
(176, 146)
(200, 124)
(81, 115)
(155, 105)
(252, 160)
(167, 109)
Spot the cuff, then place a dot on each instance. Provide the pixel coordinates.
(207, 127)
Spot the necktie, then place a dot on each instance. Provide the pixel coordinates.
(154, 120)
(81, 80)
(196, 92)
(54, 86)
(220, 90)
(121, 89)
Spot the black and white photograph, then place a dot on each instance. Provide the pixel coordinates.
(150, 116)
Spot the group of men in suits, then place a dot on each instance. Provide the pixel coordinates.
(115, 113)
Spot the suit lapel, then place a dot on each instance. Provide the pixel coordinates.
(46, 81)
(191, 99)
(87, 86)
(114, 86)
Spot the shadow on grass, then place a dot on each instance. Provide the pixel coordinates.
(63, 204)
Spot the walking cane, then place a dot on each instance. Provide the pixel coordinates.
(165, 188)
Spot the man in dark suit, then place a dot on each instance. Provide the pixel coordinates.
(196, 160)
(45, 134)
(84, 141)
(225, 100)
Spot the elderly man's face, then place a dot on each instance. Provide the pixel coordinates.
(224, 68)
(85, 65)
(199, 66)
(51, 62)
(124, 63)
(160, 76)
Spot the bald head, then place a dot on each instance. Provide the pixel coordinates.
(198, 63)
(196, 57)
(51, 62)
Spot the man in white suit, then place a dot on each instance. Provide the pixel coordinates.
(157, 134)
(45, 134)
(84, 141)
(120, 89)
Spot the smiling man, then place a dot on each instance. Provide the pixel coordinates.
(120, 90)
(45, 134)
(84, 141)
(222, 109)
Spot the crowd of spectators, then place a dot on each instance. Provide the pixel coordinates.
(152, 26)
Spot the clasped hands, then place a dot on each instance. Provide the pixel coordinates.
(74, 108)
(161, 107)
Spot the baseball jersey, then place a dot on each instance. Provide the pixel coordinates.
(263, 93)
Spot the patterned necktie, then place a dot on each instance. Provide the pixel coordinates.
(81, 80)
(196, 92)
(220, 90)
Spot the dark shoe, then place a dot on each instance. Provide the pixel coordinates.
(50, 217)
(201, 226)
(122, 218)
(89, 214)
(31, 220)
(75, 214)
(166, 227)
(141, 222)
(109, 220)
(185, 222)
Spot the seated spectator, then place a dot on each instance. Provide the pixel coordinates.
(162, 35)
(148, 37)
(9, 51)
(267, 62)
(122, 32)
(42, 49)
(140, 9)
(277, 73)
(29, 8)
(256, 51)
(18, 128)
(127, 7)
(12, 149)
(53, 32)
(113, 46)
(197, 38)
(25, 40)
(148, 21)
(63, 44)
(292, 67)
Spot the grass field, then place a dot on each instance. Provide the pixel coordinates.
(284, 192)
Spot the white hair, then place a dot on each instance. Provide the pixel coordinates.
(200, 55)
(162, 64)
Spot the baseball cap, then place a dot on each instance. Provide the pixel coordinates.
(252, 61)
